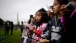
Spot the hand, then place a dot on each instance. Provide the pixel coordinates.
(43, 41)
(30, 27)
(34, 30)
(38, 42)
(64, 10)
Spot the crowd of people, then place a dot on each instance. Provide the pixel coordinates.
(53, 27)
(8, 25)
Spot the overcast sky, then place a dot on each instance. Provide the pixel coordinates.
(10, 8)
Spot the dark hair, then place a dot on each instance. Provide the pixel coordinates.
(29, 21)
(44, 14)
(63, 2)
(51, 15)
(22, 22)
(31, 16)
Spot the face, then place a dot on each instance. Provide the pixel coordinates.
(56, 7)
(38, 17)
(49, 14)
(74, 1)
(32, 19)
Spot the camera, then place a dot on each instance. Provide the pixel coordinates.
(70, 6)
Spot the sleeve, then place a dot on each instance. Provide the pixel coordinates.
(41, 29)
(73, 13)
(37, 32)
(47, 28)
(46, 33)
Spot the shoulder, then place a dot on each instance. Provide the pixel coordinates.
(43, 25)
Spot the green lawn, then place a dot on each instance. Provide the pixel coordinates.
(15, 38)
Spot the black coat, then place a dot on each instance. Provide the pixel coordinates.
(7, 24)
(11, 25)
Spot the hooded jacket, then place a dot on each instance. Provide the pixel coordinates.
(54, 31)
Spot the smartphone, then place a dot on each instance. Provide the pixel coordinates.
(70, 6)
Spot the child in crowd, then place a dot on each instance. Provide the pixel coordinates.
(41, 18)
(54, 32)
